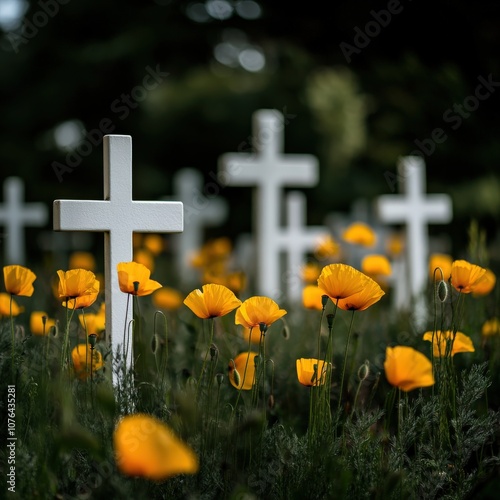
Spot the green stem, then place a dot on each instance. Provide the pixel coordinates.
(13, 340)
(198, 384)
(345, 362)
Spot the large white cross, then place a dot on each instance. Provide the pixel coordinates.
(269, 171)
(200, 210)
(296, 240)
(118, 216)
(14, 216)
(416, 210)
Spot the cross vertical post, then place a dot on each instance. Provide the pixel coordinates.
(14, 216)
(416, 210)
(268, 170)
(118, 216)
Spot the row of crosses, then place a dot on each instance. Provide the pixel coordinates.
(268, 171)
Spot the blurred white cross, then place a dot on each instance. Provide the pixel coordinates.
(15, 215)
(268, 170)
(296, 240)
(118, 216)
(416, 210)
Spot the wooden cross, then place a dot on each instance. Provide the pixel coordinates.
(15, 216)
(416, 210)
(296, 240)
(200, 211)
(118, 216)
(269, 171)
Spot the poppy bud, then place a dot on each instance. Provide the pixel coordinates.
(92, 340)
(329, 319)
(442, 291)
(324, 300)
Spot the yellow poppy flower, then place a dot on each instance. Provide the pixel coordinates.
(491, 327)
(5, 301)
(77, 283)
(40, 323)
(133, 278)
(145, 446)
(462, 342)
(311, 272)
(312, 297)
(360, 233)
(154, 243)
(19, 280)
(376, 265)
(244, 365)
(94, 322)
(311, 372)
(369, 294)
(82, 260)
(213, 301)
(145, 257)
(395, 245)
(83, 301)
(443, 261)
(236, 281)
(257, 310)
(465, 275)
(327, 248)
(407, 368)
(338, 281)
(485, 284)
(167, 298)
(84, 358)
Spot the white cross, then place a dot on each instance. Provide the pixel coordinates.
(269, 171)
(297, 240)
(118, 216)
(415, 210)
(14, 216)
(200, 210)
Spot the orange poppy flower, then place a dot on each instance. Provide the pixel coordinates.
(133, 278)
(369, 294)
(376, 265)
(241, 371)
(311, 272)
(462, 342)
(360, 233)
(154, 243)
(213, 301)
(327, 248)
(145, 446)
(407, 368)
(485, 284)
(40, 323)
(312, 297)
(257, 310)
(465, 275)
(94, 323)
(491, 327)
(167, 298)
(77, 283)
(84, 359)
(311, 372)
(5, 302)
(443, 261)
(82, 260)
(338, 281)
(19, 280)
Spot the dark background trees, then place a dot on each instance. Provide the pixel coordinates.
(364, 84)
